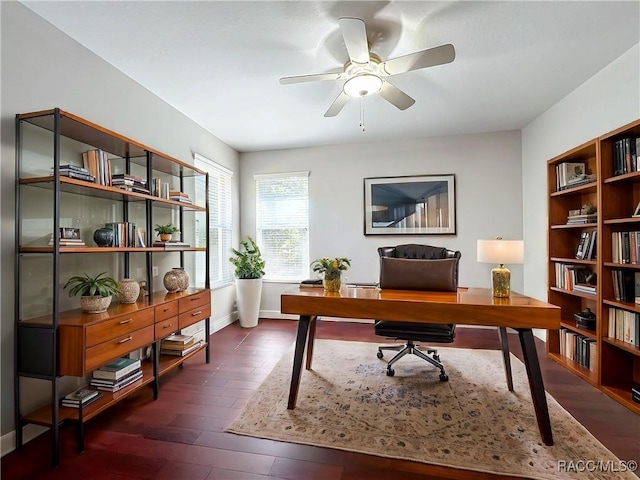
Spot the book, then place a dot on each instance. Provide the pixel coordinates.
(120, 385)
(178, 339)
(312, 282)
(117, 369)
(181, 353)
(70, 404)
(82, 395)
(110, 382)
(172, 244)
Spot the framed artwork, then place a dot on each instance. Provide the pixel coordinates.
(416, 205)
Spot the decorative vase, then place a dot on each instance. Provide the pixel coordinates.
(332, 281)
(128, 290)
(95, 303)
(165, 237)
(103, 237)
(176, 280)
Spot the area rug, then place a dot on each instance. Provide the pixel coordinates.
(471, 422)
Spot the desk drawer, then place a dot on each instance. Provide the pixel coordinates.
(166, 310)
(165, 327)
(118, 326)
(195, 300)
(117, 347)
(194, 316)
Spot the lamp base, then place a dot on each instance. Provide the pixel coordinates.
(500, 281)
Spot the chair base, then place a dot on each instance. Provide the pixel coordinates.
(411, 348)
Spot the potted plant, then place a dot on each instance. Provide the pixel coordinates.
(249, 270)
(331, 268)
(95, 292)
(165, 231)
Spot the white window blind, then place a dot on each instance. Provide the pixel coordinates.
(220, 221)
(282, 224)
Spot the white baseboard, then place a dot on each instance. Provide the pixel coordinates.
(29, 432)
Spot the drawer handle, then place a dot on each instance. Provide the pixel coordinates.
(167, 326)
(196, 313)
(125, 340)
(195, 298)
(166, 309)
(123, 322)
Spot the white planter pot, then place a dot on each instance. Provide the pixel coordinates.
(248, 292)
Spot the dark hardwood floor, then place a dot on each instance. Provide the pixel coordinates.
(181, 435)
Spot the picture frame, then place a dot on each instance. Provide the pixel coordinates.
(410, 205)
(69, 233)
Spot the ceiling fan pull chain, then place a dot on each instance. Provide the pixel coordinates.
(362, 113)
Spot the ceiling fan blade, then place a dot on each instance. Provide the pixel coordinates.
(395, 96)
(310, 78)
(354, 33)
(337, 105)
(422, 59)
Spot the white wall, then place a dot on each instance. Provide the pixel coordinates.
(608, 100)
(42, 68)
(488, 198)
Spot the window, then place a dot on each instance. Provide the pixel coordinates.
(282, 224)
(220, 221)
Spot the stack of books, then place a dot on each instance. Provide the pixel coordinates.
(172, 244)
(179, 197)
(81, 397)
(312, 282)
(582, 218)
(117, 374)
(74, 171)
(130, 183)
(179, 345)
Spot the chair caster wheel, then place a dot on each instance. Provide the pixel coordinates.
(436, 358)
(444, 377)
(379, 354)
(390, 372)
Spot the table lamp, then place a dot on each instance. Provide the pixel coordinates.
(500, 251)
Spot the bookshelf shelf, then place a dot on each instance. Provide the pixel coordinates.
(615, 195)
(52, 338)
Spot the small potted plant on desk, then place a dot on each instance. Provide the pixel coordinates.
(249, 270)
(166, 231)
(95, 292)
(332, 269)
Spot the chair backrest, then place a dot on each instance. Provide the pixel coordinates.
(419, 267)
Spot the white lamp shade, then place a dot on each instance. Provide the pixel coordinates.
(500, 251)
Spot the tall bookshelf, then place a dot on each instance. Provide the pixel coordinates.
(55, 341)
(614, 365)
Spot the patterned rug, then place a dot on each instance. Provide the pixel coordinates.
(471, 422)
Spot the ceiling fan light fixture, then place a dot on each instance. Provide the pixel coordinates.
(362, 85)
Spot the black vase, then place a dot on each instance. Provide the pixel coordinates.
(103, 237)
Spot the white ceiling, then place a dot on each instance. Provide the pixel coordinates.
(219, 62)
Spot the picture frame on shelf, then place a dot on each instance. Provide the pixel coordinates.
(69, 233)
(410, 205)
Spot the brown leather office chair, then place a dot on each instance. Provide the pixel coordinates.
(417, 267)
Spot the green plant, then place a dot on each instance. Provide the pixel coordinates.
(92, 286)
(167, 229)
(248, 260)
(330, 266)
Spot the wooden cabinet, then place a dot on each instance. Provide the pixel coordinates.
(607, 363)
(131, 189)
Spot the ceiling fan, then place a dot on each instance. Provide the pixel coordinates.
(365, 73)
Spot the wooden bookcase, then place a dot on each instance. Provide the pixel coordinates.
(54, 340)
(617, 363)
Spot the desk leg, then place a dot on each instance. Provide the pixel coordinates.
(301, 340)
(535, 384)
(506, 358)
(311, 340)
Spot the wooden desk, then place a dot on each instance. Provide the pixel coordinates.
(469, 306)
